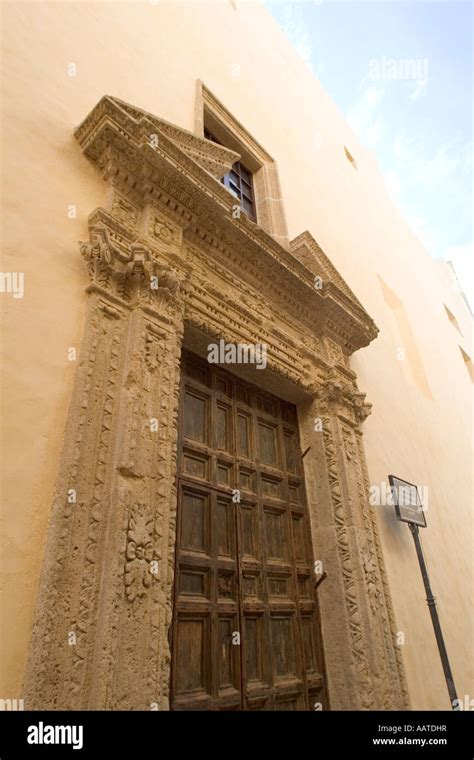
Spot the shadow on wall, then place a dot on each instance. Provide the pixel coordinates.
(407, 350)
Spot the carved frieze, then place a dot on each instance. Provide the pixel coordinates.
(334, 350)
(124, 211)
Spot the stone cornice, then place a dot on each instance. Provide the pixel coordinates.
(308, 251)
(171, 173)
(214, 158)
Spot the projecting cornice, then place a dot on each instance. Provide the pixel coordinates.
(309, 253)
(153, 162)
(214, 158)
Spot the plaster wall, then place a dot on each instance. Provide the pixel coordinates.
(151, 56)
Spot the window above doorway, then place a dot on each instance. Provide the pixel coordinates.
(239, 180)
(253, 179)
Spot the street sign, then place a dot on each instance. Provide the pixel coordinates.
(409, 509)
(407, 502)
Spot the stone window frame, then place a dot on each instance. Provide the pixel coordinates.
(270, 211)
(238, 169)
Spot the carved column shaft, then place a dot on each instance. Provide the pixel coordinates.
(100, 634)
(360, 638)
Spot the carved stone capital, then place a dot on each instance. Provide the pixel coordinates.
(361, 408)
(134, 276)
(337, 396)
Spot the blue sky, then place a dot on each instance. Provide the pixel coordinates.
(401, 73)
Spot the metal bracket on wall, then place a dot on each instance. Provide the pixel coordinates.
(320, 580)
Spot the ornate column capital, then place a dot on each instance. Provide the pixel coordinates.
(134, 275)
(337, 396)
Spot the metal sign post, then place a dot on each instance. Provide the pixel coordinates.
(409, 509)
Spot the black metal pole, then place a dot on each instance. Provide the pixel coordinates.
(431, 602)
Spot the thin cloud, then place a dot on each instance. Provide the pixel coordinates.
(418, 91)
(296, 30)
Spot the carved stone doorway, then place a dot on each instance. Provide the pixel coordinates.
(246, 632)
(169, 262)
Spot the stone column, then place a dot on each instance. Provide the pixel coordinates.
(100, 636)
(364, 664)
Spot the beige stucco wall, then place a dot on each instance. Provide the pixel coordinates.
(151, 56)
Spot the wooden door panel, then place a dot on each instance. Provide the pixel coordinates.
(245, 631)
(195, 522)
(192, 648)
(225, 527)
(244, 435)
(195, 464)
(196, 416)
(283, 647)
(268, 450)
(250, 533)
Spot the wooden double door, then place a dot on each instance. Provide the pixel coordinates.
(245, 632)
